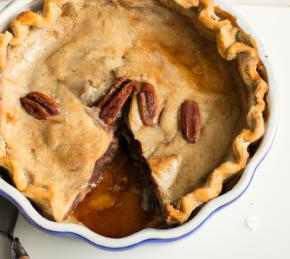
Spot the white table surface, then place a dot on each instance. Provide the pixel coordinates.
(225, 235)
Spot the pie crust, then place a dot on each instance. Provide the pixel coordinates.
(233, 45)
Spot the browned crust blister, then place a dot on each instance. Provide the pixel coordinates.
(232, 44)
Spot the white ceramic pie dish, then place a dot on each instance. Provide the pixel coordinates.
(147, 235)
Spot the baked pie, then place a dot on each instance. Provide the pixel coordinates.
(146, 108)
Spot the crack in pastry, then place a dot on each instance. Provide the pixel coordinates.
(97, 174)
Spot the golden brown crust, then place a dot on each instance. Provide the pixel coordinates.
(232, 43)
(248, 59)
(46, 195)
(5, 38)
(20, 28)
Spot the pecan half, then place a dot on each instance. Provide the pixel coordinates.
(190, 121)
(40, 106)
(147, 100)
(112, 104)
(116, 87)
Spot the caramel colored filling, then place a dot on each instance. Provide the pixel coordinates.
(113, 208)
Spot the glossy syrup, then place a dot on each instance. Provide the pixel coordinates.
(113, 208)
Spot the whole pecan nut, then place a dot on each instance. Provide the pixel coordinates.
(112, 103)
(190, 121)
(40, 106)
(147, 100)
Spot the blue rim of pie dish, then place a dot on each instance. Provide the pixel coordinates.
(272, 136)
(145, 241)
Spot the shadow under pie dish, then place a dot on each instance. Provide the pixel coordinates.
(134, 112)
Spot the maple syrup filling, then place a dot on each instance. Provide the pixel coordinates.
(120, 204)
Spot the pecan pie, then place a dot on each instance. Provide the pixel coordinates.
(176, 85)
